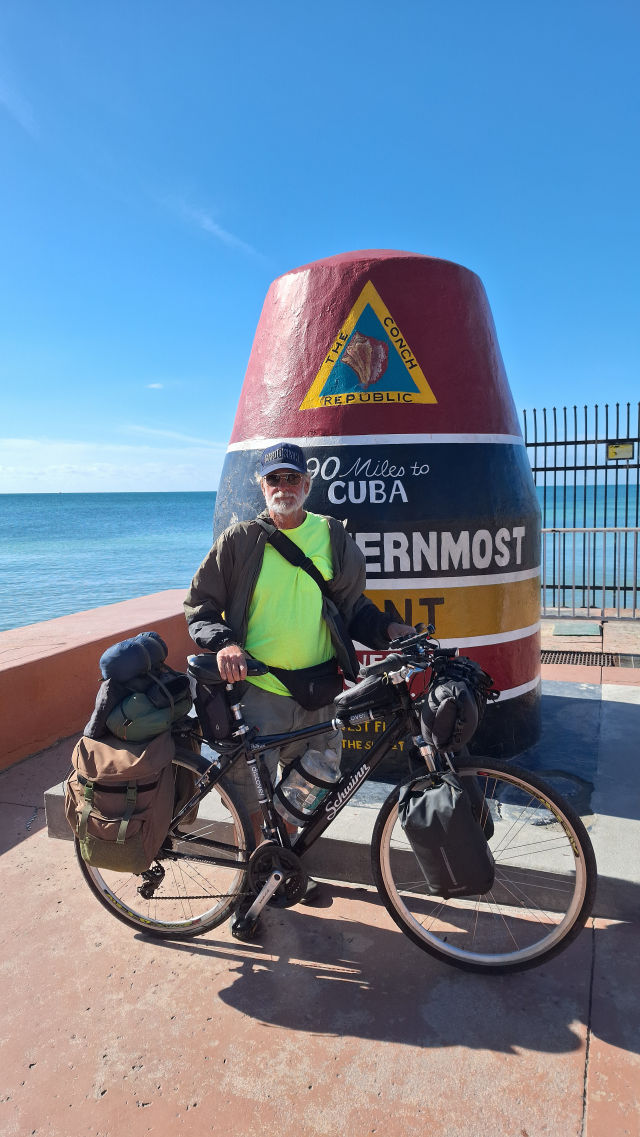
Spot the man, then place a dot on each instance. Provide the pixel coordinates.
(247, 599)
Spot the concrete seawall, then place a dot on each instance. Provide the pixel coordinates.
(49, 672)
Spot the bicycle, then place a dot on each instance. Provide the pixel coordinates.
(545, 876)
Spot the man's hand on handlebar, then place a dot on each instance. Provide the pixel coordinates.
(396, 630)
(232, 663)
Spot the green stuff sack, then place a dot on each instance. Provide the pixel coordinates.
(136, 718)
(119, 801)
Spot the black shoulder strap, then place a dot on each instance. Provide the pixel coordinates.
(291, 553)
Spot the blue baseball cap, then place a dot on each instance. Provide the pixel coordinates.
(282, 456)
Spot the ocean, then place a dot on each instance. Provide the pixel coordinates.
(62, 553)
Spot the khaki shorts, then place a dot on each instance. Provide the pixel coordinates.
(276, 714)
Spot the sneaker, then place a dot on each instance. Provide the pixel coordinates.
(313, 892)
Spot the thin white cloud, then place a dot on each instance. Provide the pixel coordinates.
(205, 221)
(176, 436)
(53, 466)
(17, 107)
(155, 386)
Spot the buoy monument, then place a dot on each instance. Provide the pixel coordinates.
(385, 367)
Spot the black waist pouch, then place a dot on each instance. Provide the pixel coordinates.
(447, 840)
(312, 687)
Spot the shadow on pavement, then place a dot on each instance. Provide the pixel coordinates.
(333, 976)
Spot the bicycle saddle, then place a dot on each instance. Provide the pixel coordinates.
(205, 668)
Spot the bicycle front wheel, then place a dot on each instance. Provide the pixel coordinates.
(544, 884)
(198, 877)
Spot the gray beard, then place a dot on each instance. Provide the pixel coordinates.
(283, 508)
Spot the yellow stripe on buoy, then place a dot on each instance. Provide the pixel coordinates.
(481, 610)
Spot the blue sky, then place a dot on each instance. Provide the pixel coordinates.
(162, 162)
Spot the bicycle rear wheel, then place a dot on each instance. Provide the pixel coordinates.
(544, 883)
(198, 877)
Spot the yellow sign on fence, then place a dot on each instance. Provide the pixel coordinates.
(619, 451)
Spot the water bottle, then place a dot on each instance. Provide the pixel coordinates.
(297, 792)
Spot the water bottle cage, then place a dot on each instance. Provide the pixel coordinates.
(281, 796)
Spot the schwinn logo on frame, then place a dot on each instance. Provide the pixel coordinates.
(334, 806)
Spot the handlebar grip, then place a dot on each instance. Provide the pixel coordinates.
(389, 663)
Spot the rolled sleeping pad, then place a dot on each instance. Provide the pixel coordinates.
(129, 658)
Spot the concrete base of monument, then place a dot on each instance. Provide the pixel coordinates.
(510, 726)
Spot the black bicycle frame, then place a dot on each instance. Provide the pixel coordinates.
(343, 790)
(337, 797)
(398, 724)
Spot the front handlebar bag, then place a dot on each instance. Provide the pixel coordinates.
(449, 715)
(447, 841)
(456, 702)
(374, 694)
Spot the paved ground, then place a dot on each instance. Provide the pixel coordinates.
(334, 1022)
(611, 636)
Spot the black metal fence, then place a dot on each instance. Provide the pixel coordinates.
(586, 467)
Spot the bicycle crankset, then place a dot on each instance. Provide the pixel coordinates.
(268, 858)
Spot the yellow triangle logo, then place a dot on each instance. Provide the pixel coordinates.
(369, 361)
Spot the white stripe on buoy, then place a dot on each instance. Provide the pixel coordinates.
(381, 440)
(378, 583)
(513, 692)
(498, 638)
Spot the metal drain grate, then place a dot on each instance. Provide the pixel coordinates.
(591, 658)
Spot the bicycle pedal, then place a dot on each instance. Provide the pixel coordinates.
(243, 929)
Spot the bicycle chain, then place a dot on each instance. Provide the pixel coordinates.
(205, 896)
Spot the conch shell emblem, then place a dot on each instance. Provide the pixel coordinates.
(366, 356)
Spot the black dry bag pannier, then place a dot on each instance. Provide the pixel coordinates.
(448, 842)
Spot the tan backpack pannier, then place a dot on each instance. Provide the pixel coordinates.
(119, 800)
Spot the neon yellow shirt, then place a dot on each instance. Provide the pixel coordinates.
(285, 613)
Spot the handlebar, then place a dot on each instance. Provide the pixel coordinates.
(415, 648)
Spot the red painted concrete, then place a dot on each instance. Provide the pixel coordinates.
(612, 1089)
(334, 1023)
(509, 664)
(49, 672)
(440, 307)
(570, 673)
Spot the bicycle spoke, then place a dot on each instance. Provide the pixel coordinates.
(542, 889)
(185, 892)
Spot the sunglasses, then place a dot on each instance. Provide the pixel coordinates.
(287, 479)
